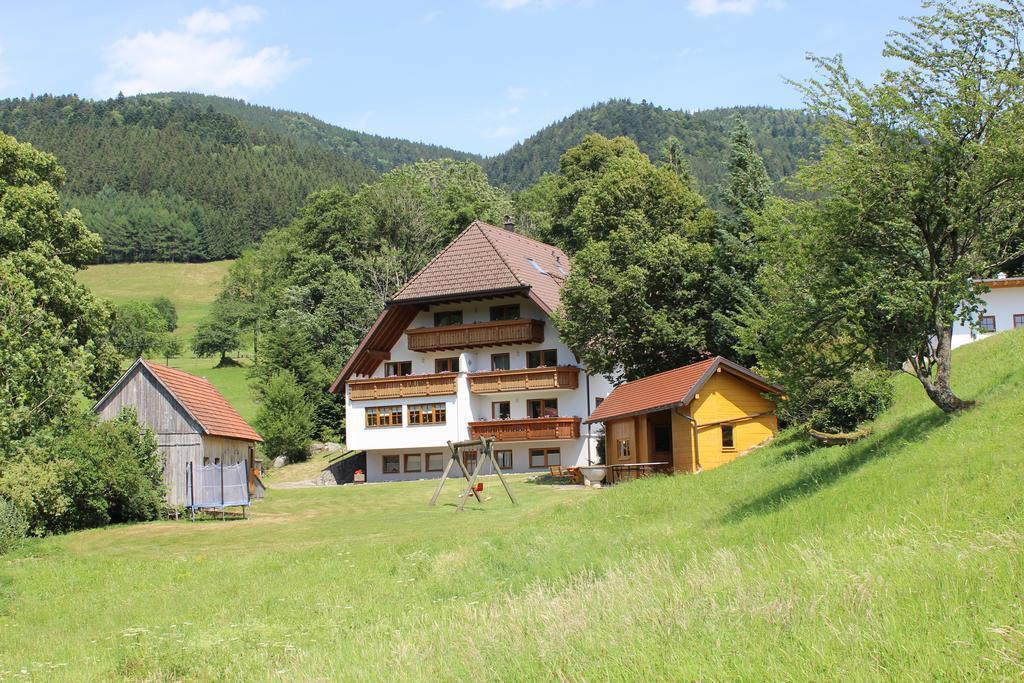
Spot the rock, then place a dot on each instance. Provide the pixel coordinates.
(326, 447)
(280, 461)
(325, 478)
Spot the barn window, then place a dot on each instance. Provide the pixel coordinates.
(727, 442)
(986, 324)
(623, 447)
(444, 318)
(504, 459)
(545, 457)
(391, 464)
(435, 462)
(1018, 320)
(413, 462)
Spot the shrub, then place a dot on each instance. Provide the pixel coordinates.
(13, 526)
(837, 404)
(90, 474)
(285, 418)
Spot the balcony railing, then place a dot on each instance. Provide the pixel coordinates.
(474, 335)
(408, 386)
(532, 429)
(497, 381)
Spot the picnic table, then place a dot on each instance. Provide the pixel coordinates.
(634, 470)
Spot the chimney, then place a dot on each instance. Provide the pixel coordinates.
(509, 225)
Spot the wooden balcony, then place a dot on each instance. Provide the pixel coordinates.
(409, 386)
(498, 381)
(475, 335)
(533, 429)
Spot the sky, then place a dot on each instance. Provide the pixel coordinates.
(475, 75)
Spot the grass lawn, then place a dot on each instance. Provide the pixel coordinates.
(192, 287)
(898, 557)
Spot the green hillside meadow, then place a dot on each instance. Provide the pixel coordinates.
(900, 557)
(192, 287)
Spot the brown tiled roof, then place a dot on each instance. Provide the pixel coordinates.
(204, 403)
(485, 258)
(668, 389)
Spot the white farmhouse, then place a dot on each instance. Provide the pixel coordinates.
(465, 349)
(1003, 310)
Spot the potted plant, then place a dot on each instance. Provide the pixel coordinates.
(359, 478)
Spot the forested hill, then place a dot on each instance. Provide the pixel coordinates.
(784, 137)
(172, 181)
(376, 151)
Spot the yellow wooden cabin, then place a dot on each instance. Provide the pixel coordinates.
(689, 419)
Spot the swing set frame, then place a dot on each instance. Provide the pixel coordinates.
(486, 450)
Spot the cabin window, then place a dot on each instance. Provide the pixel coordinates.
(413, 462)
(622, 445)
(391, 464)
(1018, 320)
(446, 364)
(384, 416)
(987, 324)
(542, 407)
(505, 312)
(469, 457)
(504, 459)
(727, 437)
(442, 318)
(398, 368)
(545, 457)
(500, 361)
(435, 462)
(598, 401)
(428, 414)
(548, 358)
(501, 410)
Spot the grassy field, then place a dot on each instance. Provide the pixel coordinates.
(900, 557)
(192, 287)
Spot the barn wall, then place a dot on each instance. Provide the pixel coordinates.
(615, 431)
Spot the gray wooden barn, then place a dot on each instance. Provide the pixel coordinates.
(194, 424)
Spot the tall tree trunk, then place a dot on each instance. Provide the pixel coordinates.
(937, 387)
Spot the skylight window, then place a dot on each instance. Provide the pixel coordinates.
(536, 266)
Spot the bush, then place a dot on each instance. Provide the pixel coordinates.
(13, 526)
(285, 418)
(839, 404)
(90, 474)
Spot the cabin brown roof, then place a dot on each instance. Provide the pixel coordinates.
(484, 260)
(203, 402)
(669, 389)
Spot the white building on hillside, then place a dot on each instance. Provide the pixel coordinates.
(1004, 310)
(465, 349)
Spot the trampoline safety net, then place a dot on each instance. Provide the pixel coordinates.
(217, 486)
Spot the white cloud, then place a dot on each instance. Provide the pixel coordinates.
(429, 17)
(205, 54)
(517, 93)
(706, 8)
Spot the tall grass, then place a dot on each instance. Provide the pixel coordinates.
(898, 557)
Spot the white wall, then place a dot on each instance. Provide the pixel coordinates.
(1003, 303)
(464, 407)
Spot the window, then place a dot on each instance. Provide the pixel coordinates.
(391, 464)
(384, 416)
(542, 407)
(413, 462)
(446, 364)
(428, 414)
(622, 446)
(548, 358)
(1018, 320)
(545, 457)
(727, 442)
(505, 312)
(469, 457)
(398, 368)
(442, 318)
(499, 361)
(435, 462)
(987, 324)
(501, 410)
(598, 401)
(504, 459)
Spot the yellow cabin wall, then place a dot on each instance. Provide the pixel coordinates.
(682, 442)
(727, 397)
(616, 430)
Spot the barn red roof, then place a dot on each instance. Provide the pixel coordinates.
(483, 260)
(210, 409)
(669, 389)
